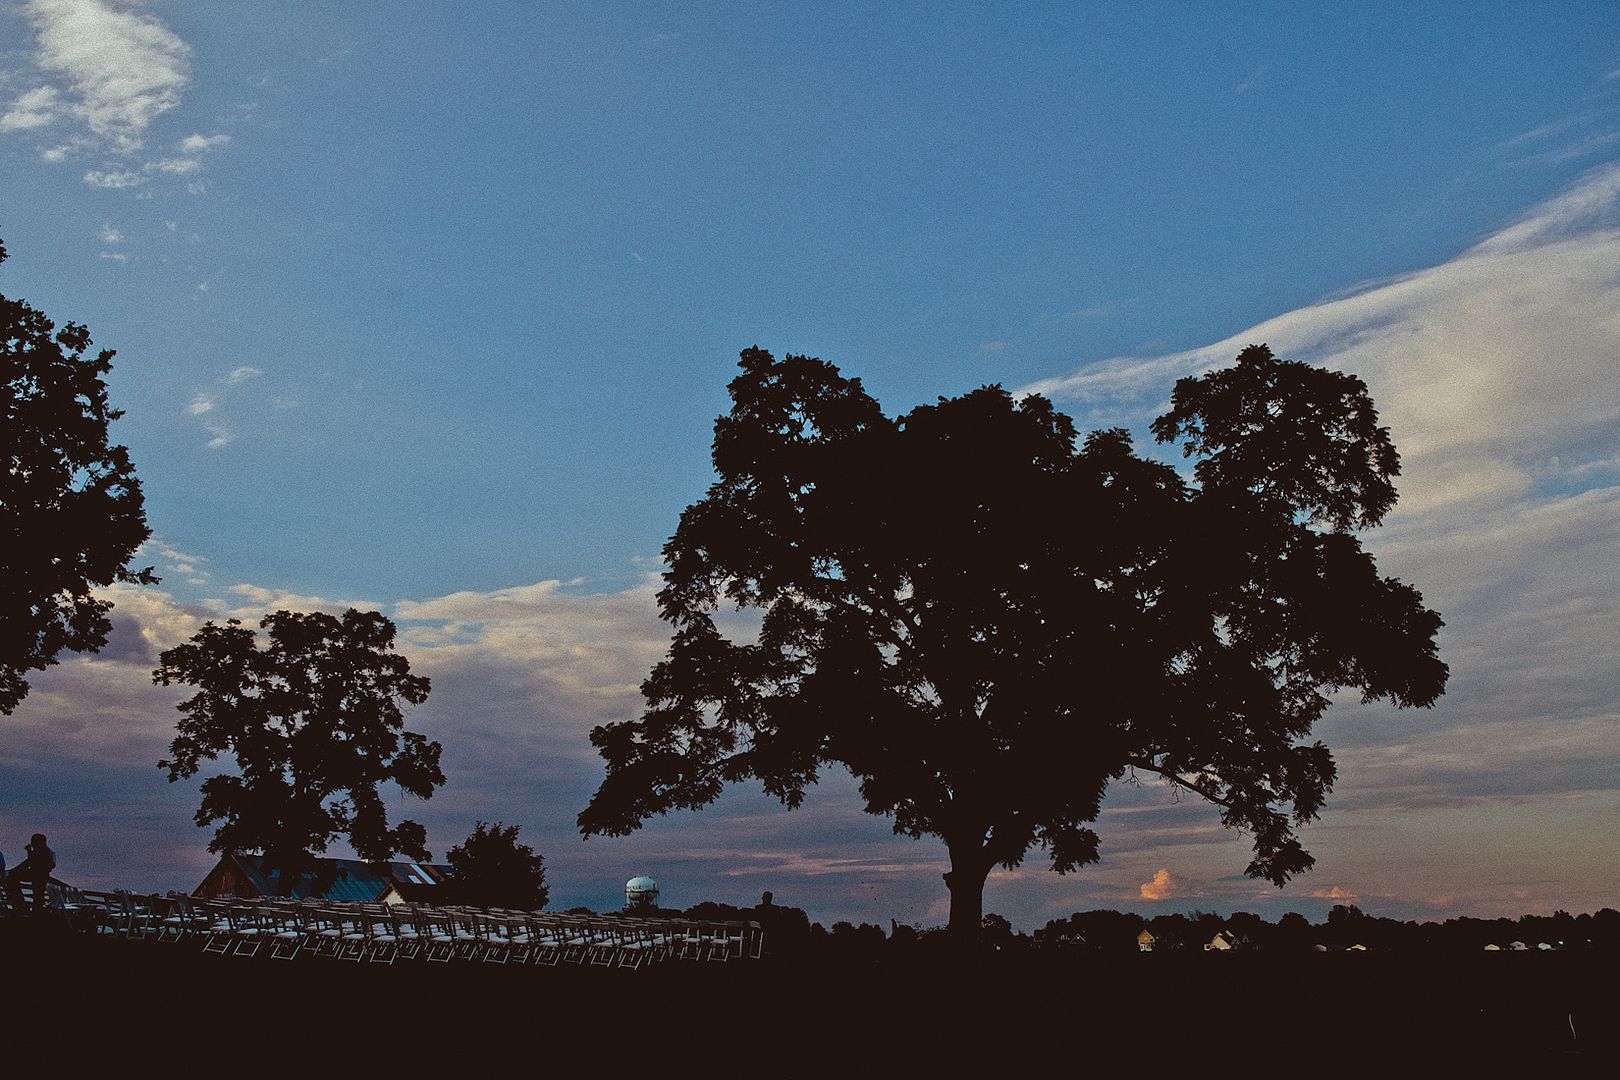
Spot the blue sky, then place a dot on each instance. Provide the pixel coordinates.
(431, 307)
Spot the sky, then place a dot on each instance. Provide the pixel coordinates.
(430, 309)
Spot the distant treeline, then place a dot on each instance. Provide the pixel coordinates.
(1346, 926)
(789, 931)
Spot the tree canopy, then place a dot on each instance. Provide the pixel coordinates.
(314, 721)
(987, 619)
(491, 869)
(71, 511)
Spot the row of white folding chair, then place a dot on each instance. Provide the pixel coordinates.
(382, 933)
(167, 917)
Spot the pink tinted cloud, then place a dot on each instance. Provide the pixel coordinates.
(1162, 887)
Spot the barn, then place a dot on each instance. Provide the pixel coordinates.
(330, 879)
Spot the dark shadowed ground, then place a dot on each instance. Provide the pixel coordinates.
(83, 1003)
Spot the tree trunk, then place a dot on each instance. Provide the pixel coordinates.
(966, 883)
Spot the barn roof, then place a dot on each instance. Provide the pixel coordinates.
(331, 879)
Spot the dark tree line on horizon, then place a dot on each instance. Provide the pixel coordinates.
(790, 932)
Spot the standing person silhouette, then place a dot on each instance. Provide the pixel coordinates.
(36, 867)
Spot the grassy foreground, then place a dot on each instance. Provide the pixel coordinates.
(75, 1002)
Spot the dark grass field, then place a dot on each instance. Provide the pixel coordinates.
(76, 1004)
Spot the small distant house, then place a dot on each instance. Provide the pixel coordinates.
(330, 879)
(1493, 947)
(1063, 937)
(1357, 947)
(1545, 946)
(1221, 942)
(1517, 946)
(1144, 941)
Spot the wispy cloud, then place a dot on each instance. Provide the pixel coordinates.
(196, 144)
(1488, 367)
(111, 237)
(109, 67)
(252, 602)
(799, 864)
(190, 163)
(175, 562)
(35, 108)
(1253, 80)
(1335, 893)
(114, 178)
(104, 72)
(221, 400)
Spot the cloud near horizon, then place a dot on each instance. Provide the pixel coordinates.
(1162, 887)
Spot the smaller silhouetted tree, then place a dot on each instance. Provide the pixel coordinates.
(1294, 932)
(491, 869)
(313, 720)
(1249, 929)
(1173, 931)
(1345, 923)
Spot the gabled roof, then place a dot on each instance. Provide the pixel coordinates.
(331, 879)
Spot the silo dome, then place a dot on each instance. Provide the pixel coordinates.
(640, 891)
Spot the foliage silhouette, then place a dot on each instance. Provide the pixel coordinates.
(491, 869)
(71, 510)
(986, 623)
(313, 720)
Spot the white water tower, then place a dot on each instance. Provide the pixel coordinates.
(640, 891)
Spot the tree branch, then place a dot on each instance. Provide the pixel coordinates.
(1147, 765)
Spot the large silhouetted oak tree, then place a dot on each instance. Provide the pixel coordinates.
(71, 513)
(314, 722)
(986, 620)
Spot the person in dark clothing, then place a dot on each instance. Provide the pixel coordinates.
(35, 868)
